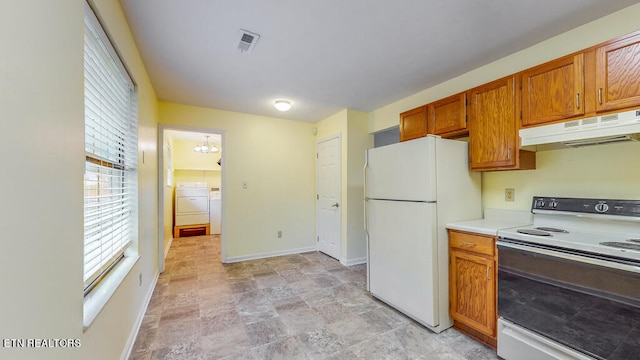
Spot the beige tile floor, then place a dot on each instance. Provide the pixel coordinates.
(303, 306)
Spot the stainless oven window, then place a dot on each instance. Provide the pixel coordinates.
(594, 309)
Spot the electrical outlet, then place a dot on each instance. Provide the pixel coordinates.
(509, 194)
(279, 234)
(244, 184)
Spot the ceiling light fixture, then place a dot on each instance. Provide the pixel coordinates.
(283, 105)
(205, 148)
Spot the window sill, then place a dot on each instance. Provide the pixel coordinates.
(95, 301)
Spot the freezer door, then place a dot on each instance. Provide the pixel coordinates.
(403, 257)
(402, 171)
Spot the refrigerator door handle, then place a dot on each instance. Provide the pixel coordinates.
(364, 172)
(366, 223)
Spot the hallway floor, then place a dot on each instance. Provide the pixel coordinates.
(304, 306)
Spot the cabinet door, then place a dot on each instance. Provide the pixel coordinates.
(413, 123)
(493, 136)
(553, 91)
(617, 74)
(449, 115)
(472, 291)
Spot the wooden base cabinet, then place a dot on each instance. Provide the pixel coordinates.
(472, 285)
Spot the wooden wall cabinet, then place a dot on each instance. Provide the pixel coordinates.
(494, 143)
(599, 80)
(472, 285)
(553, 91)
(413, 123)
(617, 75)
(448, 117)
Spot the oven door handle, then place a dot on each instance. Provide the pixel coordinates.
(574, 257)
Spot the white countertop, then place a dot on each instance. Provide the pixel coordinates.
(494, 220)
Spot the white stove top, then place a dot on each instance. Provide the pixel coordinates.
(583, 233)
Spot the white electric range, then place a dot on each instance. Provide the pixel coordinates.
(569, 285)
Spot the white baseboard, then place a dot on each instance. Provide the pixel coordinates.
(136, 327)
(233, 259)
(166, 248)
(356, 261)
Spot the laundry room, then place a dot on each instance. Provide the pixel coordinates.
(193, 164)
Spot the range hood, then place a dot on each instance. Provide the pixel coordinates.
(603, 129)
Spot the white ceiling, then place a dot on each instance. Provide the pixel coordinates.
(327, 55)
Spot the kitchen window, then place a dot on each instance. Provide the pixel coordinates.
(110, 174)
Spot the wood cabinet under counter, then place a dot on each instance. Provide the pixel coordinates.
(472, 285)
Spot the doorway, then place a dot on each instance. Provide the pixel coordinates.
(328, 199)
(206, 168)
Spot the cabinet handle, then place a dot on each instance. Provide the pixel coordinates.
(577, 100)
(600, 96)
(469, 244)
(488, 272)
(509, 154)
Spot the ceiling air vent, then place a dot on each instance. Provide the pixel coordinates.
(247, 41)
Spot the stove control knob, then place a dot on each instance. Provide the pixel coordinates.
(540, 203)
(553, 204)
(602, 207)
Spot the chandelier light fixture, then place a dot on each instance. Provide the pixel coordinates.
(205, 148)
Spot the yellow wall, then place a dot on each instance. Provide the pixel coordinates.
(275, 158)
(42, 105)
(184, 158)
(602, 171)
(358, 141)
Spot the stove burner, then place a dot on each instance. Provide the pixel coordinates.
(621, 245)
(550, 229)
(533, 232)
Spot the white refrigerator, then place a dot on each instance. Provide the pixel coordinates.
(412, 189)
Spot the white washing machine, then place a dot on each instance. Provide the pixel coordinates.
(192, 203)
(215, 211)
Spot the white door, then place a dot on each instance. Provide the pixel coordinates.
(328, 201)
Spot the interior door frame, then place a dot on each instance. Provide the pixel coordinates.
(162, 184)
(340, 195)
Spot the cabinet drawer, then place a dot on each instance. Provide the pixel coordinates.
(475, 243)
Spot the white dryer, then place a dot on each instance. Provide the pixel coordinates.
(215, 211)
(192, 203)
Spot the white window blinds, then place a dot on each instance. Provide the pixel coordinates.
(110, 176)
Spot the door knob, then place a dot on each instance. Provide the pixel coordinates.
(335, 205)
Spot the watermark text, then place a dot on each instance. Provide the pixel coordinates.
(41, 343)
